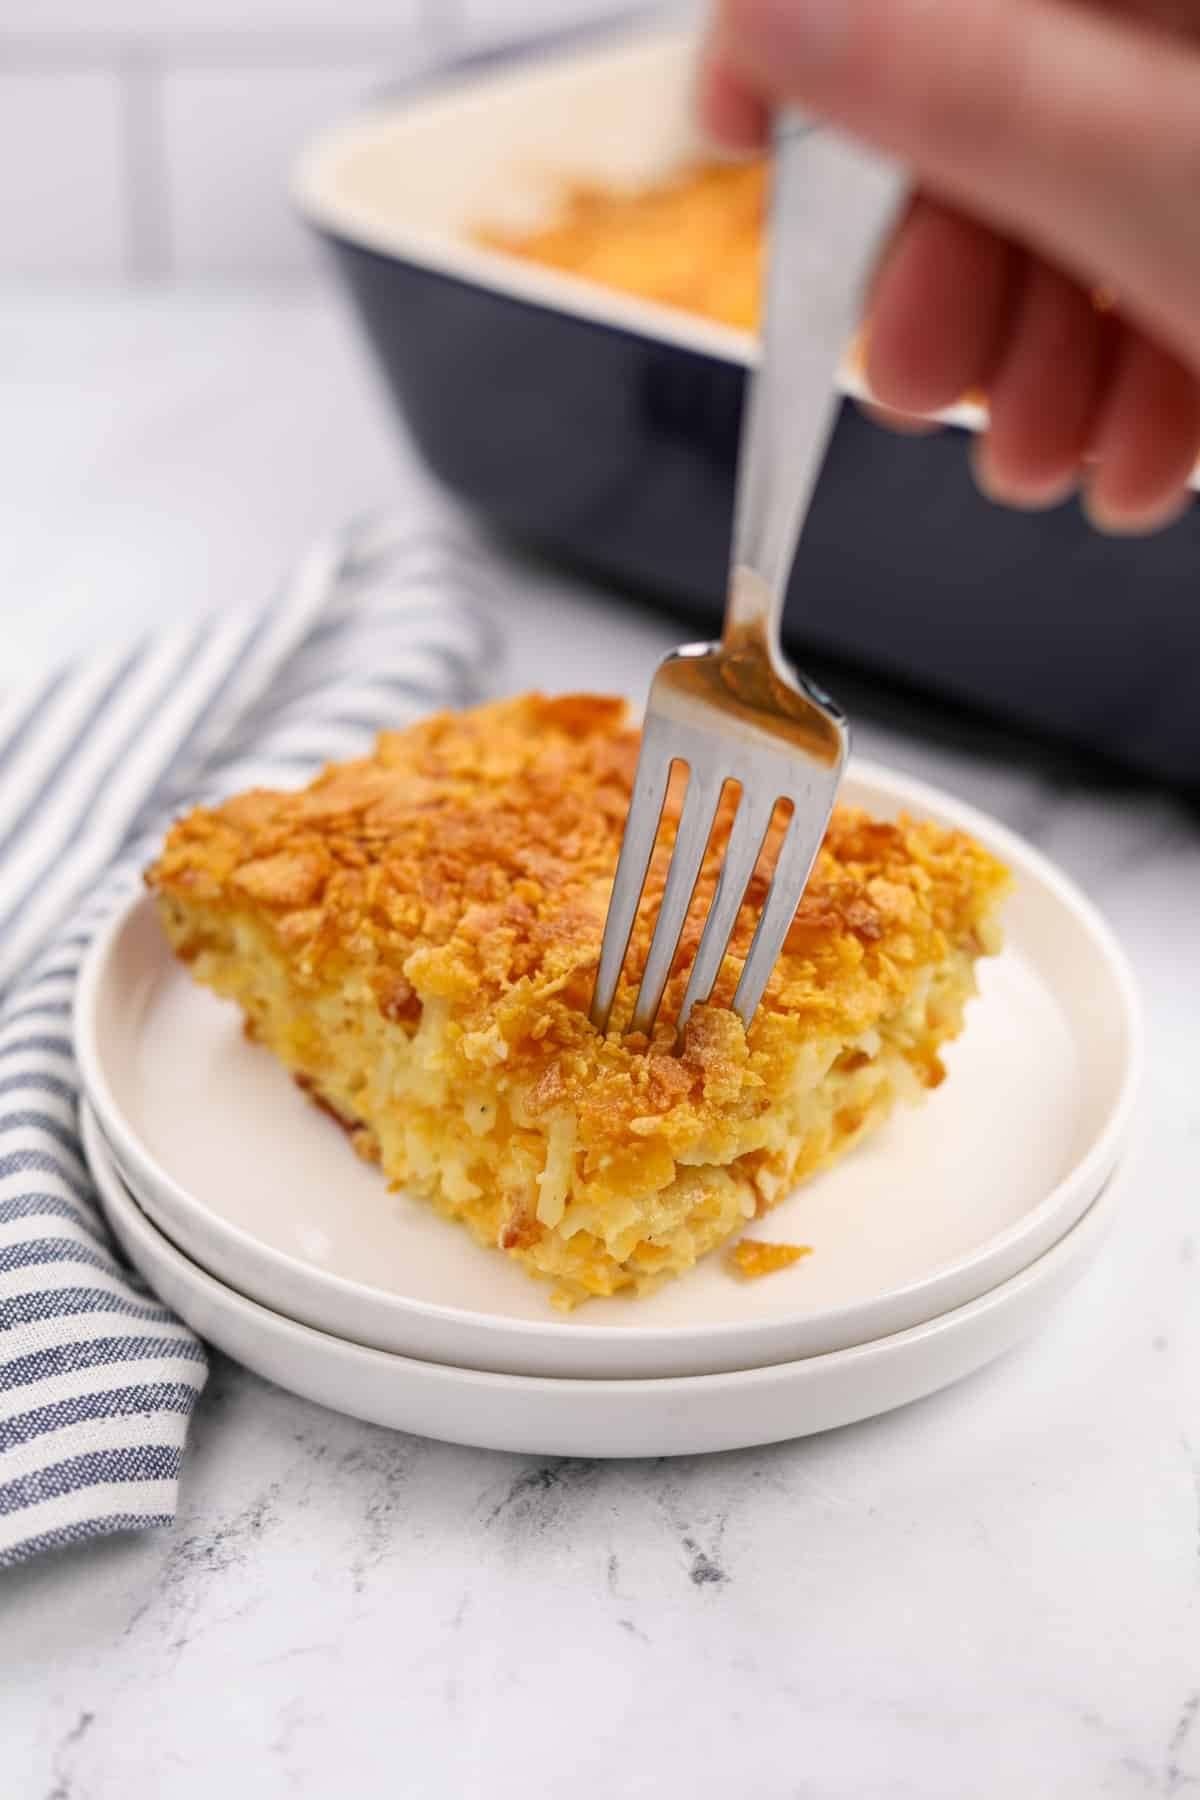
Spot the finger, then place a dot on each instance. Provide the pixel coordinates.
(1146, 442)
(905, 424)
(1180, 17)
(939, 310)
(732, 112)
(1044, 394)
(1076, 130)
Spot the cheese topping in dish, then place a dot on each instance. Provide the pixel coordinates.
(694, 241)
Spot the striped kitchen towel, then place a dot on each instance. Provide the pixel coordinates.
(97, 1380)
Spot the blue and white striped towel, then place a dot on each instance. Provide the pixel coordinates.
(97, 1380)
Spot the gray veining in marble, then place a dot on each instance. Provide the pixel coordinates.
(993, 1593)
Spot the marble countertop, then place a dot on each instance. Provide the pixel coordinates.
(993, 1592)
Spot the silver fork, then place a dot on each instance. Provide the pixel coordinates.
(735, 711)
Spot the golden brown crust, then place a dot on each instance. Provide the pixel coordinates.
(693, 241)
(471, 858)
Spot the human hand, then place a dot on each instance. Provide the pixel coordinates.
(1056, 149)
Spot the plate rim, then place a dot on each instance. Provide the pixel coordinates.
(1089, 1171)
(1089, 1230)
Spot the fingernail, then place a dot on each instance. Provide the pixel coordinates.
(904, 424)
(1115, 521)
(1026, 496)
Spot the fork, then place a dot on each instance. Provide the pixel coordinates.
(735, 711)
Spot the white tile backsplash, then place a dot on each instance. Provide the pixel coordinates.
(165, 128)
(63, 194)
(229, 137)
(166, 22)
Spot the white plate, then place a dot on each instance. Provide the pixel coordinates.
(539, 1416)
(945, 1203)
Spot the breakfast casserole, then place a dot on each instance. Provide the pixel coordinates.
(415, 935)
(694, 240)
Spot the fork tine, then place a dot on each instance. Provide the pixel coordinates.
(797, 854)
(741, 854)
(691, 840)
(637, 846)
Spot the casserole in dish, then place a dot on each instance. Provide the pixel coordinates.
(605, 427)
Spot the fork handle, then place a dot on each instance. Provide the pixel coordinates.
(830, 202)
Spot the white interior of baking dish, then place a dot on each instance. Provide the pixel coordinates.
(415, 178)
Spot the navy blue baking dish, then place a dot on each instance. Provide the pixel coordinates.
(605, 428)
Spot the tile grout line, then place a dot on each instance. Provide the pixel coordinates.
(147, 245)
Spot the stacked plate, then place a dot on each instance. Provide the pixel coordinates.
(936, 1246)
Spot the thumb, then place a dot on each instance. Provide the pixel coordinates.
(1075, 131)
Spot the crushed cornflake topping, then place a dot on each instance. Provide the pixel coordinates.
(752, 1259)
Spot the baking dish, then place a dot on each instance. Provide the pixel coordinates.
(605, 428)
